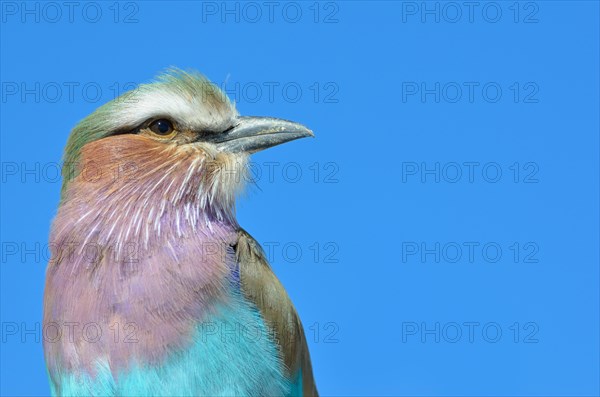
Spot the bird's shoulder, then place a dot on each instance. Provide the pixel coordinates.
(261, 286)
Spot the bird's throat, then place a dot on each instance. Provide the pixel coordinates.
(131, 191)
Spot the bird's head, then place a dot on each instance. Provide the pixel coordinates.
(179, 139)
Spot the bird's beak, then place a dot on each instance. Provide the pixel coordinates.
(253, 134)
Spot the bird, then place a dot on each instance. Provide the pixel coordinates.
(152, 287)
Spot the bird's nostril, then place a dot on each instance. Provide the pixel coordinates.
(230, 128)
(213, 135)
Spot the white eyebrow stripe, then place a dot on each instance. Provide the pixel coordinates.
(191, 113)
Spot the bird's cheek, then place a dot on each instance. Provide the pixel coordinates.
(203, 150)
(230, 170)
(233, 161)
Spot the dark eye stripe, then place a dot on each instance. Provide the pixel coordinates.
(136, 129)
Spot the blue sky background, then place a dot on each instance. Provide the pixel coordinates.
(451, 192)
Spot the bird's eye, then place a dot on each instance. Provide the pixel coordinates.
(161, 127)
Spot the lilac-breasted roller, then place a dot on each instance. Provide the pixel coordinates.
(161, 291)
